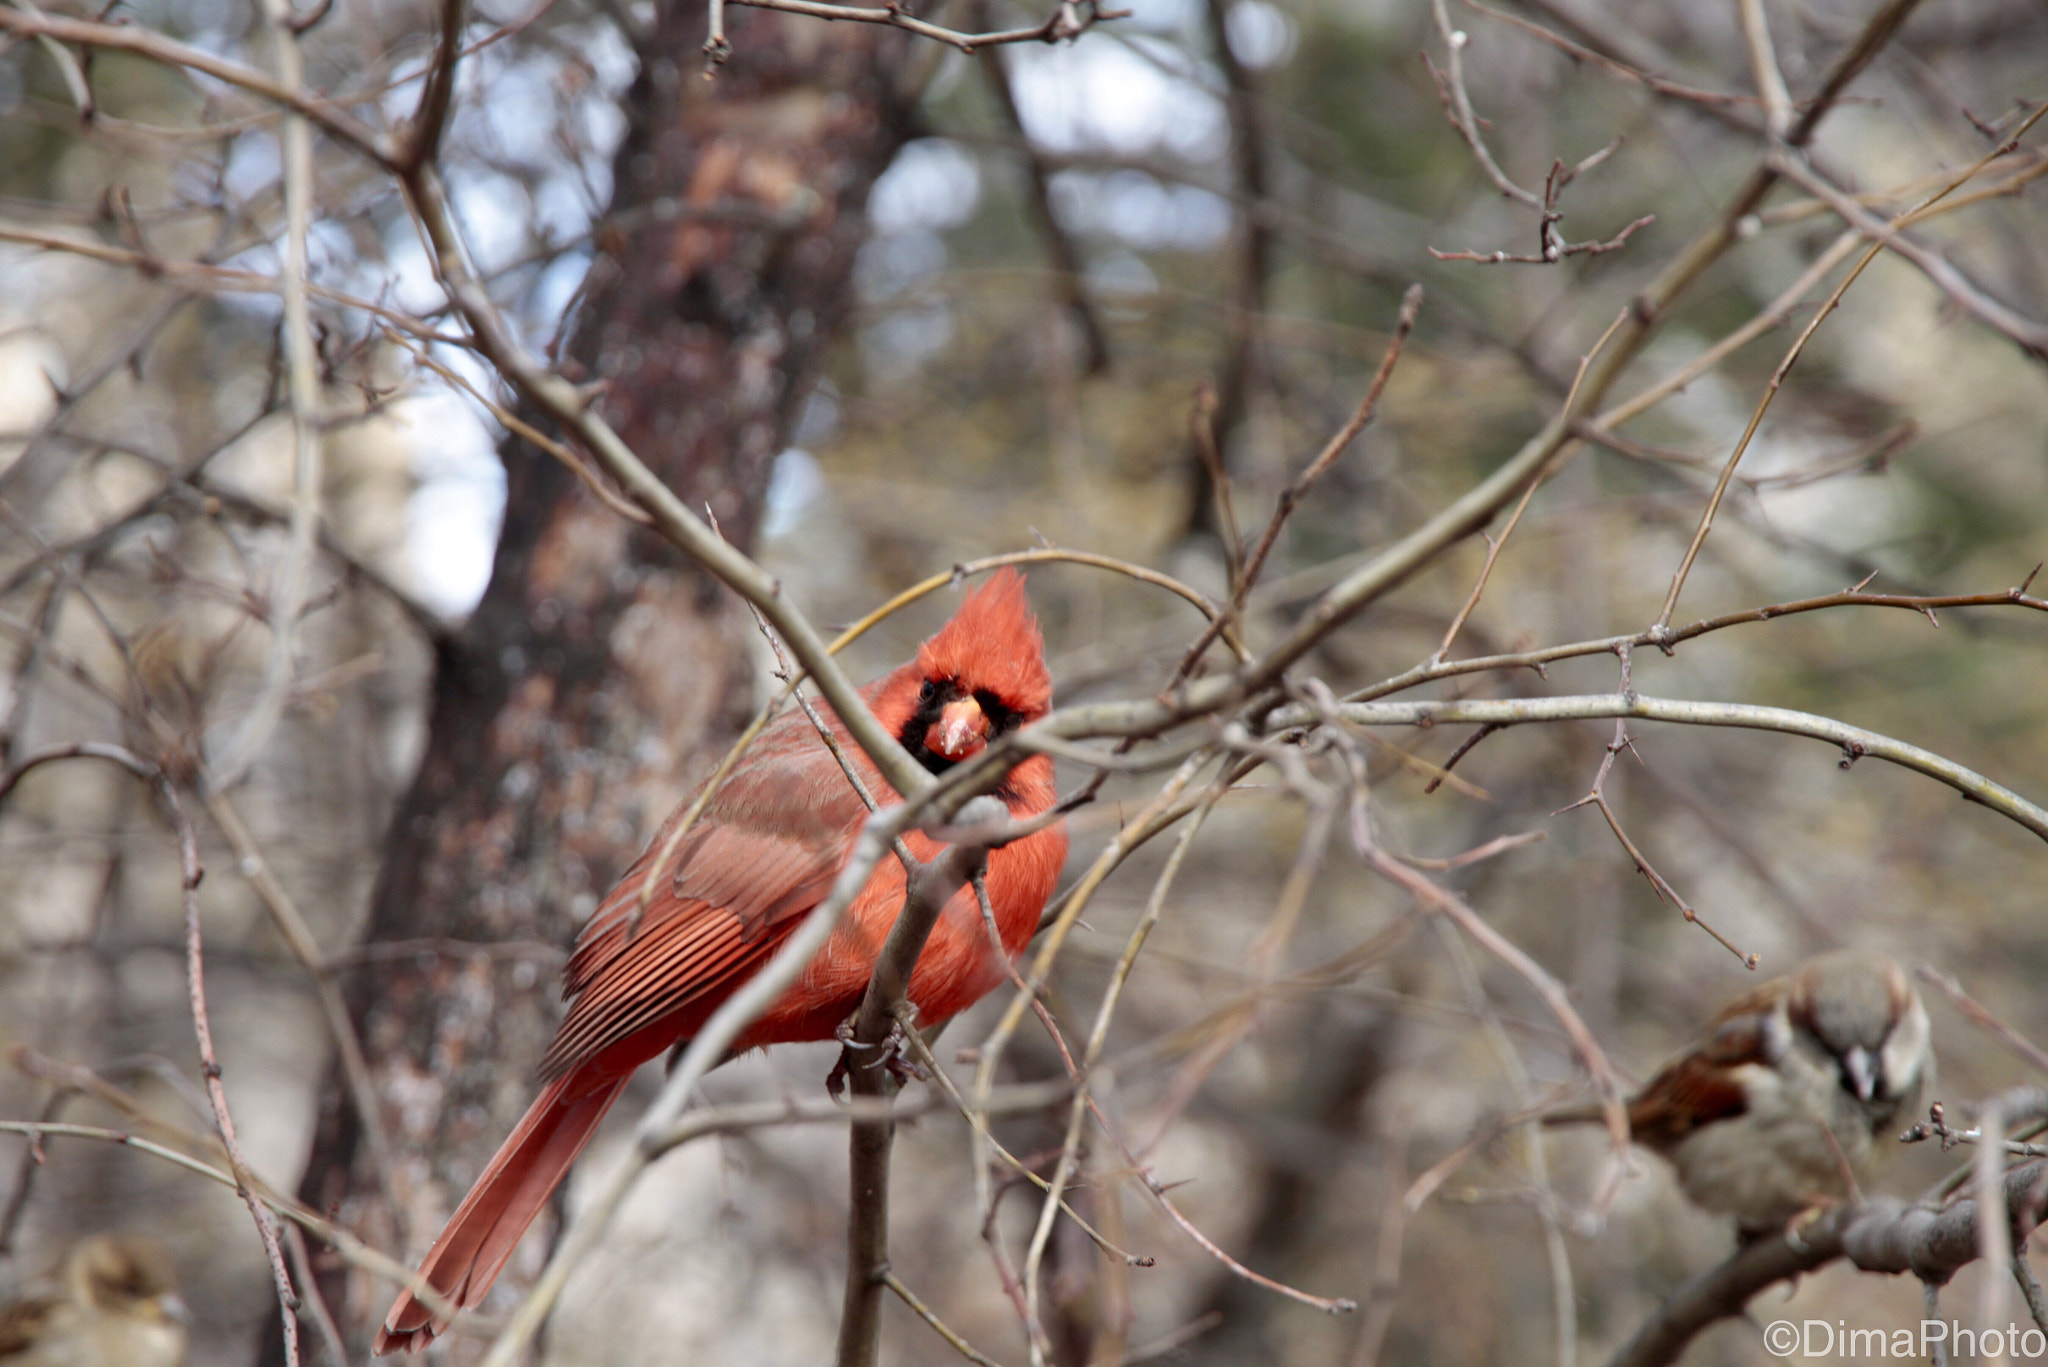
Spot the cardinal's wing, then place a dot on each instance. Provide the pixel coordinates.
(764, 852)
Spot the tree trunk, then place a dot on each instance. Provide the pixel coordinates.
(600, 674)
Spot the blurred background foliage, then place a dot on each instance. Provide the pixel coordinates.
(1243, 189)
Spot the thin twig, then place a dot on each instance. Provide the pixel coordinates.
(1722, 105)
(1554, 250)
(1537, 659)
(2030, 1287)
(25, 1171)
(1069, 1156)
(1292, 495)
(1472, 510)
(525, 430)
(216, 1091)
(1855, 742)
(2029, 334)
(316, 1304)
(147, 43)
(298, 936)
(1978, 1016)
(1493, 543)
(1067, 21)
(989, 1054)
(1763, 66)
(195, 275)
(1450, 84)
(939, 1326)
(1563, 1299)
(1552, 993)
(1202, 430)
(1597, 797)
(1785, 162)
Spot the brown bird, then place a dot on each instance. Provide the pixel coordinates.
(118, 1307)
(763, 854)
(1797, 1083)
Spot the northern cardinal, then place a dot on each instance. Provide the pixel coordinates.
(1795, 1079)
(118, 1307)
(764, 852)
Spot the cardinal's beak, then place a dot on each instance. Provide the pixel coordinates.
(961, 730)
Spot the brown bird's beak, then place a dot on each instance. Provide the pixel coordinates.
(961, 730)
(1862, 1068)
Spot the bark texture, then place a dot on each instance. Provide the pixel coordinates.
(600, 675)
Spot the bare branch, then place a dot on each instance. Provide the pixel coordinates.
(423, 134)
(287, 596)
(342, 127)
(706, 1048)
(216, 1092)
(1785, 162)
(2012, 1039)
(2028, 334)
(1068, 20)
(1881, 1235)
(571, 408)
(1476, 506)
(1450, 86)
(1245, 578)
(867, 1060)
(1763, 65)
(1068, 265)
(1855, 742)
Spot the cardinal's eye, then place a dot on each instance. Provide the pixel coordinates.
(927, 691)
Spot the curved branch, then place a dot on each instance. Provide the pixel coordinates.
(343, 128)
(1150, 716)
(85, 749)
(1666, 638)
(1065, 22)
(1856, 742)
(1881, 1235)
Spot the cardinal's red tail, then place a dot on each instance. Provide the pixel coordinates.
(485, 1229)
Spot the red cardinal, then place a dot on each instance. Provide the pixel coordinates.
(764, 852)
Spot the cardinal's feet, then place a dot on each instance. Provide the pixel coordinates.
(891, 1053)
